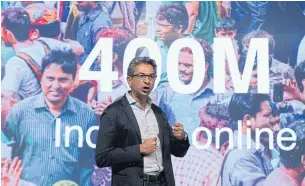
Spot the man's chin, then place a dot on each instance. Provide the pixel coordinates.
(54, 99)
(145, 93)
(160, 38)
(185, 81)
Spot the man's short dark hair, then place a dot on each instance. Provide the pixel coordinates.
(140, 60)
(18, 22)
(175, 14)
(245, 104)
(292, 158)
(121, 38)
(299, 74)
(65, 58)
(225, 23)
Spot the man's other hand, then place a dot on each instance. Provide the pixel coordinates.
(178, 131)
(149, 145)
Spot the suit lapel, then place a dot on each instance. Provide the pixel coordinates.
(160, 124)
(128, 110)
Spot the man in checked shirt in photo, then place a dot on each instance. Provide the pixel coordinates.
(31, 124)
(202, 166)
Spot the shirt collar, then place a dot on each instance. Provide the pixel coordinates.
(40, 103)
(132, 101)
(208, 87)
(162, 45)
(92, 15)
(277, 66)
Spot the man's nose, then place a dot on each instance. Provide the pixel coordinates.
(181, 68)
(56, 85)
(146, 80)
(157, 28)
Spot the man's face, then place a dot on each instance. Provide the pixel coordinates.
(166, 31)
(140, 85)
(83, 5)
(186, 67)
(262, 120)
(226, 33)
(56, 84)
(253, 80)
(275, 126)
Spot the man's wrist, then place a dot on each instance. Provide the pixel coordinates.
(185, 136)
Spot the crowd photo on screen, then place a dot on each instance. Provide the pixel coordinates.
(50, 116)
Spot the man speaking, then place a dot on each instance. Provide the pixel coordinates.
(135, 138)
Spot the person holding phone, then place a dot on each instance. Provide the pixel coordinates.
(294, 91)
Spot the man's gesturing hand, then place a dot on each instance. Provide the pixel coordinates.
(11, 172)
(149, 145)
(178, 131)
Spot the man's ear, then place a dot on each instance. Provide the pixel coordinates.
(179, 29)
(10, 36)
(246, 119)
(207, 66)
(129, 80)
(303, 160)
(34, 34)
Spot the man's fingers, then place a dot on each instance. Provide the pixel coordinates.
(294, 83)
(13, 165)
(5, 167)
(18, 175)
(18, 166)
(98, 111)
(153, 149)
(180, 128)
(104, 104)
(109, 99)
(93, 104)
(288, 82)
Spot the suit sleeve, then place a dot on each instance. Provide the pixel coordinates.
(107, 153)
(178, 147)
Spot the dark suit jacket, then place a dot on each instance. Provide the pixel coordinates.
(119, 139)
